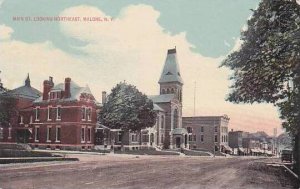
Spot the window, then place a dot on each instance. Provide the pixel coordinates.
(216, 138)
(58, 131)
(89, 114)
(162, 122)
(194, 137)
(48, 134)
(82, 134)
(162, 139)
(49, 113)
(1, 133)
(175, 119)
(163, 91)
(83, 113)
(133, 138)
(58, 94)
(89, 134)
(21, 119)
(202, 129)
(36, 134)
(58, 113)
(216, 128)
(190, 137)
(189, 129)
(37, 114)
(119, 139)
(202, 138)
(30, 119)
(9, 133)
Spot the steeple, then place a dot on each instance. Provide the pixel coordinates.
(170, 80)
(27, 81)
(171, 71)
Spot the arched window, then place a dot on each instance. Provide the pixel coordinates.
(163, 91)
(172, 91)
(180, 96)
(175, 119)
(162, 122)
(168, 91)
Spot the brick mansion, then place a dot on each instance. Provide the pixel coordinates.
(64, 116)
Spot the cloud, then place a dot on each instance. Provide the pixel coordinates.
(132, 47)
(5, 31)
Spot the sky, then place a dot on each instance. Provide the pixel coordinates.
(132, 46)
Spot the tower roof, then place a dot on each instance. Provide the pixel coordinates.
(171, 71)
(27, 81)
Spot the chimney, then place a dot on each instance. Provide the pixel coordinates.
(48, 84)
(103, 97)
(67, 87)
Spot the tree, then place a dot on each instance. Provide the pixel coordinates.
(7, 108)
(267, 66)
(127, 109)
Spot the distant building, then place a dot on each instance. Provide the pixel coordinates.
(208, 132)
(236, 142)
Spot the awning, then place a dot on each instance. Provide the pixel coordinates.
(179, 131)
(227, 148)
(256, 150)
(242, 149)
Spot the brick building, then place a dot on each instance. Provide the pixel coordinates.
(64, 117)
(22, 98)
(167, 131)
(207, 132)
(236, 142)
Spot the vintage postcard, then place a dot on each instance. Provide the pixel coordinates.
(149, 94)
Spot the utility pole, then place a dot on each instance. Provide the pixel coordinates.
(195, 98)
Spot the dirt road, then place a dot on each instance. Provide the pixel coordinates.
(115, 171)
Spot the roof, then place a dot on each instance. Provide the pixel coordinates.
(25, 92)
(162, 98)
(179, 131)
(171, 71)
(76, 91)
(157, 108)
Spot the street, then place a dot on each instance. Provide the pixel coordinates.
(125, 171)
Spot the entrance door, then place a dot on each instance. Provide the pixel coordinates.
(23, 136)
(99, 137)
(178, 142)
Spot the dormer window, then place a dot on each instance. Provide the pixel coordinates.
(55, 95)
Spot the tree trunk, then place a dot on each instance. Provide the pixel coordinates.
(297, 155)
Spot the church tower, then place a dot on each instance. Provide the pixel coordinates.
(170, 80)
